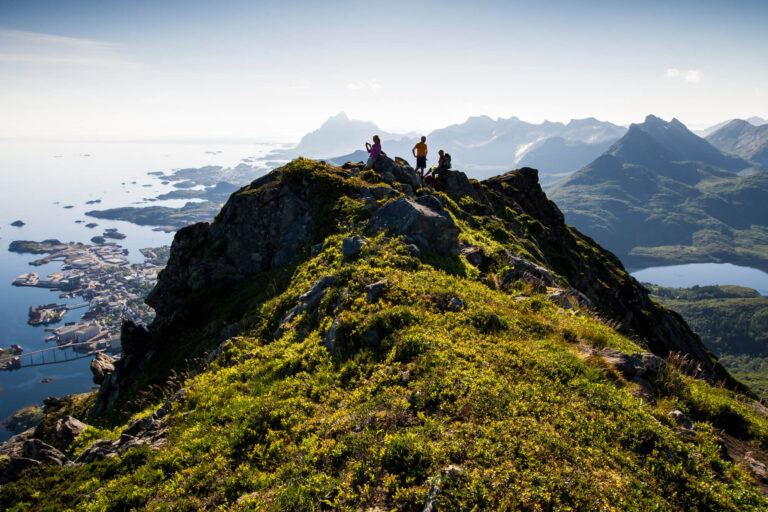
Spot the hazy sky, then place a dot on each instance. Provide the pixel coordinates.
(153, 69)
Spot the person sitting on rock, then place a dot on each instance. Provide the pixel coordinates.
(443, 164)
(373, 152)
(420, 152)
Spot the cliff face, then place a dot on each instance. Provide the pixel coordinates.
(356, 343)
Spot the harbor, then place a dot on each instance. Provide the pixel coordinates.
(110, 290)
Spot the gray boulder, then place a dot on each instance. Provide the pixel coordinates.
(528, 271)
(101, 366)
(374, 291)
(351, 246)
(424, 220)
(456, 183)
(398, 169)
(67, 429)
(44, 453)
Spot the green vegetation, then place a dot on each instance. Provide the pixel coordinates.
(354, 405)
(732, 322)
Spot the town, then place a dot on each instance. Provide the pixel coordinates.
(111, 288)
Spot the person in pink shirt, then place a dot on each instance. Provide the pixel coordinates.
(373, 152)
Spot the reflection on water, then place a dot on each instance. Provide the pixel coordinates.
(704, 274)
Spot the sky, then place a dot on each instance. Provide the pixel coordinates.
(274, 70)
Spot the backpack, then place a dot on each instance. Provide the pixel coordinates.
(447, 161)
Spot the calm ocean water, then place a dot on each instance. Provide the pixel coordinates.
(34, 176)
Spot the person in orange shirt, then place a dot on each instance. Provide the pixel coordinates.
(420, 152)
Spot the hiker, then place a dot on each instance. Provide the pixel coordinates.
(420, 152)
(443, 164)
(373, 152)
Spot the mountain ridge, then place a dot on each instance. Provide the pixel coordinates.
(662, 195)
(341, 339)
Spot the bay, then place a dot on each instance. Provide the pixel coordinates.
(37, 180)
(704, 274)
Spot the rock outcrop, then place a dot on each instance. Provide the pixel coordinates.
(286, 215)
(423, 220)
(594, 271)
(67, 429)
(101, 366)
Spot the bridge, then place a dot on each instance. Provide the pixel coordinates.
(51, 355)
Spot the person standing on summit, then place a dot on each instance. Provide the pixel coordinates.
(420, 152)
(373, 152)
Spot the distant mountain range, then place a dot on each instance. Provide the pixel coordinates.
(662, 195)
(744, 139)
(481, 146)
(754, 120)
(339, 134)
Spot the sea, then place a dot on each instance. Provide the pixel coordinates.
(38, 181)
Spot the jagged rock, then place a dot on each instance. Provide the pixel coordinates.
(653, 363)
(16, 467)
(312, 296)
(757, 468)
(594, 271)
(628, 365)
(136, 342)
(374, 291)
(438, 484)
(400, 170)
(44, 453)
(456, 183)
(424, 220)
(101, 366)
(151, 430)
(388, 177)
(522, 268)
(351, 246)
(13, 446)
(67, 429)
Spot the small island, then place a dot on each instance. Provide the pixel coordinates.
(18, 223)
(46, 314)
(113, 233)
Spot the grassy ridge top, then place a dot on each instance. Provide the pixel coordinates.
(455, 388)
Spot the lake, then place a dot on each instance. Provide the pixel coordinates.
(704, 274)
(38, 180)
